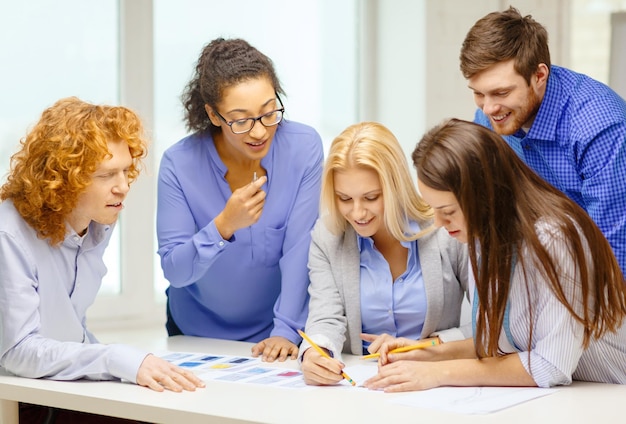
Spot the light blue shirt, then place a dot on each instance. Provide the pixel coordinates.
(254, 285)
(44, 294)
(395, 307)
(578, 144)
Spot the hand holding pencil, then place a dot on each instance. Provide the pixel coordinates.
(381, 345)
(315, 373)
(421, 344)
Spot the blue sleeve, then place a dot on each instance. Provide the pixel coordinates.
(186, 252)
(26, 352)
(603, 189)
(291, 308)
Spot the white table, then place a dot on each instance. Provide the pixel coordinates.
(224, 402)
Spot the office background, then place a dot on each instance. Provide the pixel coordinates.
(340, 62)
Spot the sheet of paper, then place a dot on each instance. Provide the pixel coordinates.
(244, 369)
(471, 400)
(360, 373)
(236, 369)
(249, 370)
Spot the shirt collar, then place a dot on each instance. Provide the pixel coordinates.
(96, 233)
(545, 123)
(363, 242)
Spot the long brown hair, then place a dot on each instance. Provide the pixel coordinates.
(502, 200)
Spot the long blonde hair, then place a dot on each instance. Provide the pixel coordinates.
(371, 145)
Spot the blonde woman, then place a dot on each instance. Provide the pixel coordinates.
(376, 264)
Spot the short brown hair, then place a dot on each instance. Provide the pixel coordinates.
(501, 36)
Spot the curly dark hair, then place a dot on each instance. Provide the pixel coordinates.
(222, 64)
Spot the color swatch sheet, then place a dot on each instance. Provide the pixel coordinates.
(245, 369)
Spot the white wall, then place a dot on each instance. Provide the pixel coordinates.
(397, 95)
(447, 24)
(410, 58)
(617, 73)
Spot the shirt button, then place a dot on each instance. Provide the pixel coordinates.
(390, 312)
(220, 244)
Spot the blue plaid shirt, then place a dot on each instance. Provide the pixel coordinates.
(578, 144)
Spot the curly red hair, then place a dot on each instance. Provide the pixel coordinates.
(59, 156)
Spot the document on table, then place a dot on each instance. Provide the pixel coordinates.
(471, 400)
(249, 370)
(244, 369)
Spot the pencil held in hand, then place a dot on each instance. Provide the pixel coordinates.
(324, 354)
(421, 345)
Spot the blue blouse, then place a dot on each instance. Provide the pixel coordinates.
(395, 307)
(254, 285)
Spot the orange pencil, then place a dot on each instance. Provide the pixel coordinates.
(324, 354)
(421, 345)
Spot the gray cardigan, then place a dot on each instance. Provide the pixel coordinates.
(334, 320)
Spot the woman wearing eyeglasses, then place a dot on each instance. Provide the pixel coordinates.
(237, 200)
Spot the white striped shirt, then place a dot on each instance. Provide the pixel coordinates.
(557, 355)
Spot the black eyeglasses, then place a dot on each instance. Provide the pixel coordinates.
(242, 126)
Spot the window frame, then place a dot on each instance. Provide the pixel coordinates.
(136, 304)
